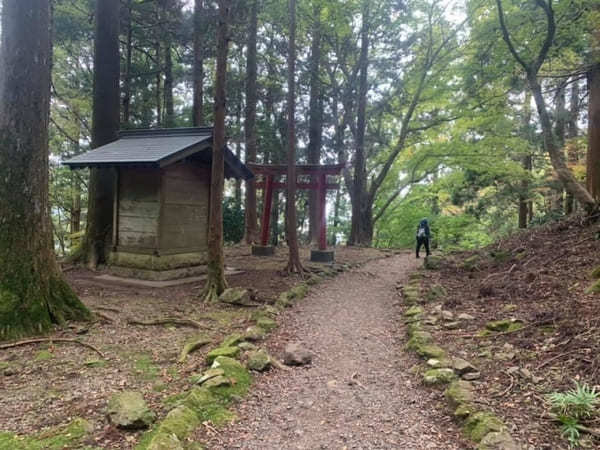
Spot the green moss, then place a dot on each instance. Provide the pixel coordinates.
(159, 387)
(594, 288)
(470, 263)
(153, 262)
(94, 363)
(418, 339)
(144, 367)
(43, 355)
(266, 324)
(232, 340)
(439, 376)
(208, 406)
(413, 311)
(481, 423)
(173, 400)
(314, 279)
(504, 325)
(430, 351)
(299, 291)
(235, 370)
(233, 352)
(459, 392)
(435, 293)
(64, 436)
(181, 421)
(500, 256)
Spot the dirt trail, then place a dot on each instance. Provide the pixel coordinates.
(358, 393)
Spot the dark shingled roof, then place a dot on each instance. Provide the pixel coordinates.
(159, 148)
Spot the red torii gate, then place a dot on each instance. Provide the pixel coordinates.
(319, 172)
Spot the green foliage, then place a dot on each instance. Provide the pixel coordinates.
(233, 221)
(574, 406)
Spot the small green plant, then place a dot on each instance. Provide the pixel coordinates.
(572, 407)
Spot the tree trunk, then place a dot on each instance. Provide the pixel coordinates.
(593, 153)
(560, 127)
(315, 124)
(238, 147)
(127, 76)
(158, 92)
(215, 283)
(33, 294)
(572, 132)
(105, 129)
(250, 122)
(294, 264)
(358, 234)
(169, 121)
(199, 34)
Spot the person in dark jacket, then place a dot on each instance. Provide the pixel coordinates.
(423, 236)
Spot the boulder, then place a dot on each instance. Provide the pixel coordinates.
(470, 376)
(479, 424)
(232, 340)
(231, 352)
(461, 366)
(259, 360)
(296, 355)
(128, 410)
(459, 392)
(447, 315)
(504, 325)
(209, 374)
(498, 440)
(165, 441)
(237, 296)
(266, 324)
(432, 262)
(254, 334)
(218, 381)
(439, 376)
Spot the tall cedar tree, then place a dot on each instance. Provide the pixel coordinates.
(33, 294)
(294, 264)
(198, 108)
(532, 69)
(215, 283)
(315, 121)
(250, 122)
(593, 154)
(105, 129)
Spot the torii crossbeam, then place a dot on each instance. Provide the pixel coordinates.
(317, 172)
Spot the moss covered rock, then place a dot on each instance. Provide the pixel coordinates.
(439, 376)
(259, 361)
(413, 311)
(254, 333)
(479, 424)
(504, 325)
(232, 340)
(232, 352)
(70, 435)
(165, 441)
(430, 351)
(498, 440)
(181, 421)
(266, 324)
(236, 296)
(129, 410)
(299, 291)
(432, 262)
(435, 292)
(459, 392)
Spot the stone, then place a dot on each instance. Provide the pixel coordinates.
(431, 320)
(254, 333)
(458, 393)
(128, 410)
(165, 441)
(435, 292)
(266, 324)
(432, 262)
(259, 361)
(512, 370)
(218, 381)
(447, 315)
(231, 352)
(430, 351)
(413, 311)
(465, 316)
(479, 424)
(209, 374)
(463, 411)
(462, 366)
(246, 346)
(237, 296)
(498, 440)
(451, 325)
(296, 355)
(434, 363)
(470, 376)
(504, 325)
(439, 376)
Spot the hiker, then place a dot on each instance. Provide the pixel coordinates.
(423, 236)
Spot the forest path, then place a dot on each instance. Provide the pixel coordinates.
(352, 326)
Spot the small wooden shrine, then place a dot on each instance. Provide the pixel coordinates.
(161, 201)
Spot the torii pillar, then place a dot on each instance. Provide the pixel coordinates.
(318, 172)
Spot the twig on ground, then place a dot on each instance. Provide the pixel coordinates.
(353, 379)
(108, 308)
(508, 389)
(170, 321)
(51, 341)
(554, 358)
(104, 316)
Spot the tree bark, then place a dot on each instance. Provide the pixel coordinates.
(593, 153)
(215, 283)
(33, 294)
(294, 264)
(250, 123)
(362, 229)
(105, 129)
(199, 34)
(572, 132)
(127, 75)
(169, 121)
(315, 122)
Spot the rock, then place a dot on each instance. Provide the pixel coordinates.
(463, 411)
(498, 440)
(432, 262)
(266, 324)
(430, 351)
(439, 376)
(413, 311)
(447, 315)
(254, 333)
(296, 355)
(479, 424)
(209, 374)
(431, 320)
(470, 376)
(232, 340)
(128, 410)
(245, 346)
(525, 373)
(218, 381)
(433, 363)
(511, 307)
(259, 360)
(451, 325)
(435, 292)
(237, 296)
(193, 345)
(165, 441)
(462, 366)
(504, 325)
(465, 316)
(231, 352)
(298, 292)
(458, 393)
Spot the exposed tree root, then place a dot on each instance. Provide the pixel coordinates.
(108, 308)
(170, 321)
(192, 347)
(104, 316)
(51, 341)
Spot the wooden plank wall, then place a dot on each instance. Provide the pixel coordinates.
(139, 208)
(185, 198)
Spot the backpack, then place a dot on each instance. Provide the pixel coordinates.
(421, 231)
